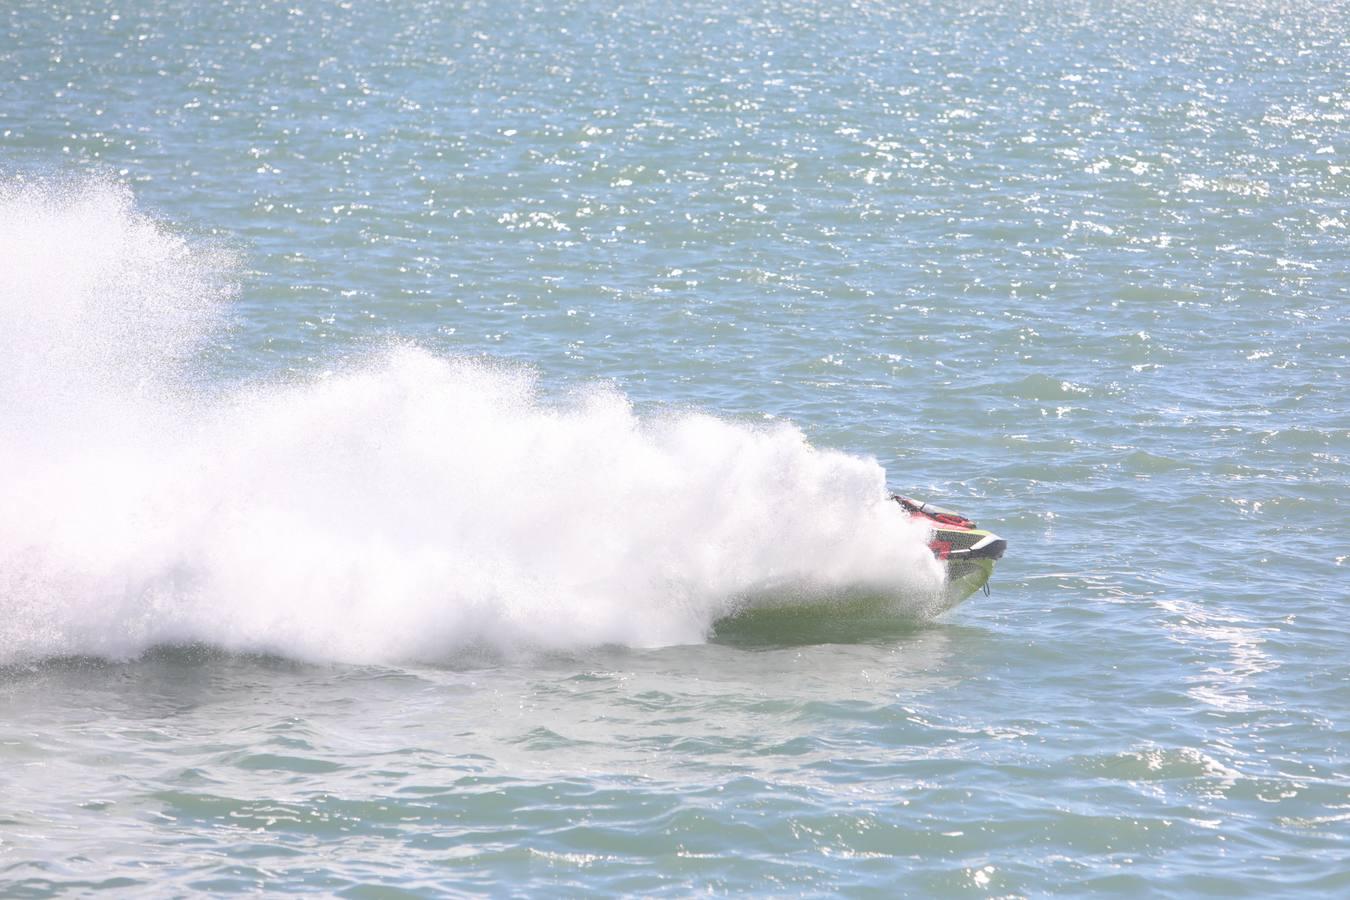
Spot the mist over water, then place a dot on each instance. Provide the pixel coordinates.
(403, 507)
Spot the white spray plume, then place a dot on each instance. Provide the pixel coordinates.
(407, 508)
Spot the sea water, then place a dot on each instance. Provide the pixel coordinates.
(443, 447)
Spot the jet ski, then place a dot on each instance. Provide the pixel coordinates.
(969, 552)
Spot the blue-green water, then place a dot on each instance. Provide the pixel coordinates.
(414, 418)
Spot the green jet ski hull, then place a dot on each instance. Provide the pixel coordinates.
(968, 552)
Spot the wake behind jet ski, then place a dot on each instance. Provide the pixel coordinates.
(968, 551)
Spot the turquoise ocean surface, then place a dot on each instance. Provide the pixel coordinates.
(443, 447)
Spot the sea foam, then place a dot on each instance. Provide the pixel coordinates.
(405, 508)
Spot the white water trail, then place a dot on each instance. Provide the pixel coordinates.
(405, 509)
